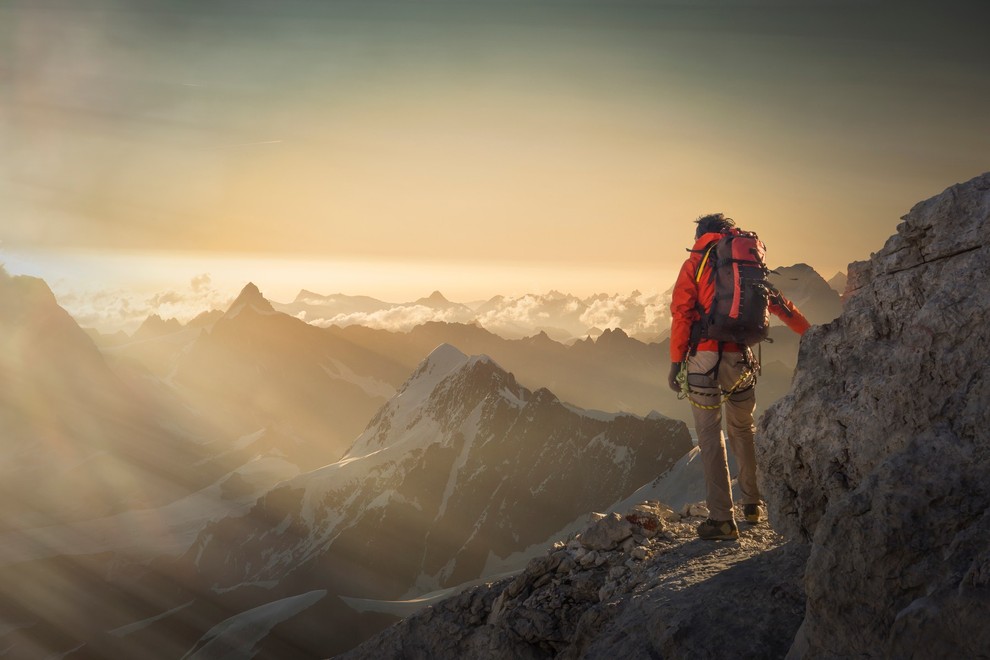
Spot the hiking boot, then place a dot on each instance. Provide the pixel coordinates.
(718, 530)
(752, 513)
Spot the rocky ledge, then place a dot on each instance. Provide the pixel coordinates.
(635, 585)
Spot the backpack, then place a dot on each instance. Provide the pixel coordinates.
(740, 308)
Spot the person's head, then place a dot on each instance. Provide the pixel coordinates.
(713, 222)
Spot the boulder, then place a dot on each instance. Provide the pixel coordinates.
(606, 533)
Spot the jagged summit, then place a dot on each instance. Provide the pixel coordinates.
(803, 285)
(14, 288)
(436, 300)
(306, 294)
(250, 298)
(838, 282)
(156, 326)
(441, 361)
(542, 338)
(445, 362)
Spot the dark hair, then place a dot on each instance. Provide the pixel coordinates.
(713, 222)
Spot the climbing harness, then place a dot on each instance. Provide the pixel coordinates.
(746, 377)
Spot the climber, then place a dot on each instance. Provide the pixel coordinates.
(713, 373)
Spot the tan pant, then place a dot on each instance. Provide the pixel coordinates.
(739, 425)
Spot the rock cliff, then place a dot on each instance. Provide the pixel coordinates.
(880, 455)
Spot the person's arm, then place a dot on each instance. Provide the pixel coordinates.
(787, 312)
(683, 311)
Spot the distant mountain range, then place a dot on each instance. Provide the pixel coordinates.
(562, 317)
(276, 361)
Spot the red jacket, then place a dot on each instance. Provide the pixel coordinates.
(690, 290)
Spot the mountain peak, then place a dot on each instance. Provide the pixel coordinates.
(250, 297)
(156, 326)
(435, 299)
(305, 295)
(443, 361)
(440, 363)
(445, 357)
(613, 334)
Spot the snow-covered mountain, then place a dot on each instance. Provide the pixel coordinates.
(463, 465)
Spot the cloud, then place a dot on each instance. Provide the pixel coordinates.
(110, 310)
(396, 319)
(160, 300)
(636, 314)
(603, 314)
(525, 310)
(201, 282)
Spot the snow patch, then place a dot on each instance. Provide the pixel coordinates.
(264, 584)
(244, 631)
(513, 400)
(622, 457)
(598, 415)
(247, 440)
(470, 431)
(409, 606)
(124, 631)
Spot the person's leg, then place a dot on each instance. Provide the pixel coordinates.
(740, 426)
(708, 425)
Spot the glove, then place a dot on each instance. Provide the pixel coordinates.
(675, 368)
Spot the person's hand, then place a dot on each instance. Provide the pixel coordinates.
(675, 368)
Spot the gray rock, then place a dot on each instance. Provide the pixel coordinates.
(648, 519)
(698, 510)
(589, 559)
(606, 533)
(880, 454)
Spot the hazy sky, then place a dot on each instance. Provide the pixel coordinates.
(572, 139)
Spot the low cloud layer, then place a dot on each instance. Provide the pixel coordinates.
(397, 319)
(560, 315)
(110, 310)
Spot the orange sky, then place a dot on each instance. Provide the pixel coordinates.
(561, 141)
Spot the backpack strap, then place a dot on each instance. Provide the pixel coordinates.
(704, 260)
